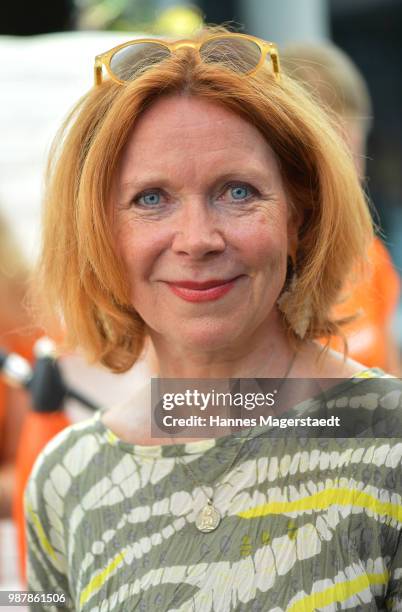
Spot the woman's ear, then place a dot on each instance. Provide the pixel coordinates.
(295, 220)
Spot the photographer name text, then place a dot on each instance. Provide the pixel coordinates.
(271, 421)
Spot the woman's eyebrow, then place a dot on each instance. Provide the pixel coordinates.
(250, 174)
(139, 183)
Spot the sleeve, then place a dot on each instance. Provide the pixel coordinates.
(46, 554)
(394, 592)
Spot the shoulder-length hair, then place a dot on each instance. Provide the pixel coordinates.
(80, 274)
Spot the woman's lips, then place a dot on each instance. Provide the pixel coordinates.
(202, 292)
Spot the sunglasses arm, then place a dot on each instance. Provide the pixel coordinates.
(97, 72)
(275, 65)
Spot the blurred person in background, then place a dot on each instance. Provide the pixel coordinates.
(335, 82)
(199, 197)
(16, 335)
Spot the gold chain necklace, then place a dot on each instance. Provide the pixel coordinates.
(209, 516)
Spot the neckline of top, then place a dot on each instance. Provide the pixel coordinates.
(201, 446)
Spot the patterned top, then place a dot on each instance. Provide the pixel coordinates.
(308, 523)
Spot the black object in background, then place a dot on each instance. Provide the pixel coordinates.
(27, 17)
(220, 11)
(44, 380)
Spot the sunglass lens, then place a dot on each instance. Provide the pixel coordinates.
(238, 54)
(129, 62)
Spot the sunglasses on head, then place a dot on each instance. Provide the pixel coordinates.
(239, 52)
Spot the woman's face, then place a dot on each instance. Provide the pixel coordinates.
(202, 224)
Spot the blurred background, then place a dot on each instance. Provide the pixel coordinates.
(47, 51)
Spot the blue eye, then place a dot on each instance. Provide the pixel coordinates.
(240, 192)
(149, 199)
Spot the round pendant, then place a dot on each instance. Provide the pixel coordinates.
(208, 518)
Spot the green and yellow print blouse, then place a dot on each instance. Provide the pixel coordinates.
(307, 523)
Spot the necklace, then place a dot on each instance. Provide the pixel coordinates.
(209, 516)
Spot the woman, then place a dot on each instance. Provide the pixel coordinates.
(202, 199)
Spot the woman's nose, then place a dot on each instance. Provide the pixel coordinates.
(197, 231)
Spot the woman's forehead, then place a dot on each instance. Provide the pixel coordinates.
(179, 127)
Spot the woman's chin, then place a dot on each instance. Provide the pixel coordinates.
(207, 336)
